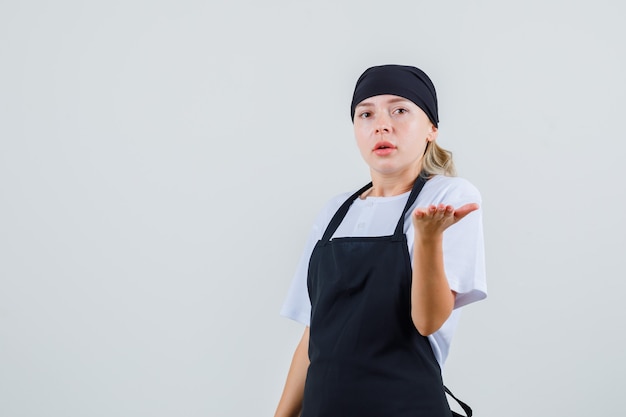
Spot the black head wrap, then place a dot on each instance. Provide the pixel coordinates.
(399, 80)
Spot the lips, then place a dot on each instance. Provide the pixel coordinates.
(383, 148)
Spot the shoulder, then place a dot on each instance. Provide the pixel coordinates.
(329, 209)
(333, 204)
(449, 190)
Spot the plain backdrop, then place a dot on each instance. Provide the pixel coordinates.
(161, 163)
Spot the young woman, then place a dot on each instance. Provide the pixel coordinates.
(386, 268)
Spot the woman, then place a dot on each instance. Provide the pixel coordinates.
(385, 269)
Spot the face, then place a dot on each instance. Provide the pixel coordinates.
(391, 133)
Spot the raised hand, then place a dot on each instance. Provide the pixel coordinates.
(431, 221)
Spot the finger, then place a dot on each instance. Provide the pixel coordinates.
(465, 210)
(420, 213)
(441, 211)
(429, 211)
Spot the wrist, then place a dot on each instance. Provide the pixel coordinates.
(429, 241)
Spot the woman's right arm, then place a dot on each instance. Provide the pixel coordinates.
(290, 404)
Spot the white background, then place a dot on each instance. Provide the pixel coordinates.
(162, 161)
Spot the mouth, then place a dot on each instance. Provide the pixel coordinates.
(383, 148)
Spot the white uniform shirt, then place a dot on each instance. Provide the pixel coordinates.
(463, 246)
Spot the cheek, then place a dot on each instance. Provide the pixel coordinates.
(417, 131)
(362, 141)
(360, 134)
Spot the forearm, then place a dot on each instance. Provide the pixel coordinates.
(432, 300)
(290, 404)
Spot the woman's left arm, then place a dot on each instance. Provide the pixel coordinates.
(432, 300)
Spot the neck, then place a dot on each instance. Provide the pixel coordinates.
(391, 185)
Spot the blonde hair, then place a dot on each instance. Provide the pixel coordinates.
(437, 160)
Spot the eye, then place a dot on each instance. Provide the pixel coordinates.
(365, 115)
(400, 110)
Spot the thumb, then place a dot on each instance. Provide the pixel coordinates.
(464, 211)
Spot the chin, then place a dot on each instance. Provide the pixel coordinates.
(385, 170)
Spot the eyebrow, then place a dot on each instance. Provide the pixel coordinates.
(391, 100)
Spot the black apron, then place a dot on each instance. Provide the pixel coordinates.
(367, 358)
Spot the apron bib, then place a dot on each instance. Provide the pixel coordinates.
(367, 358)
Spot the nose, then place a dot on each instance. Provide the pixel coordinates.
(383, 125)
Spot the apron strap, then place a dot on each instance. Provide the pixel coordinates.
(341, 213)
(417, 187)
(343, 210)
(465, 407)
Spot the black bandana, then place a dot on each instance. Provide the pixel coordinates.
(399, 80)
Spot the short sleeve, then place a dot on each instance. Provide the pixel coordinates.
(297, 305)
(464, 259)
(463, 242)
(464, 248)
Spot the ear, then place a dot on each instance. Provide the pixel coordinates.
(433, 132)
